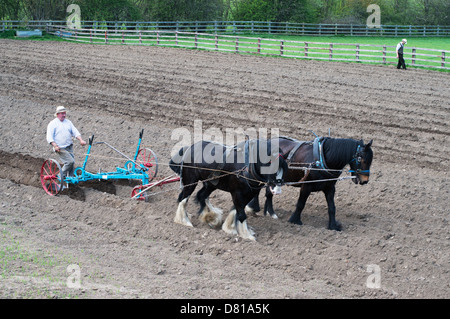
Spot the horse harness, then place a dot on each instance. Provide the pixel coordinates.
(357, 158)
(318, 156)
(292, 152)
(247, 172)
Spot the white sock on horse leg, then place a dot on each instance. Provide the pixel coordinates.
(181, 216)
(229, 226)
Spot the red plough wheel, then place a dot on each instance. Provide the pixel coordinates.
(138, 189)
(147, 158)
(51, 177)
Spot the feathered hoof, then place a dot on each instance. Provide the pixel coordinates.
(233, 227)
(181, 217)
(211, 215)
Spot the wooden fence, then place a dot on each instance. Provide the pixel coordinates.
(366, 53)
(245, 27)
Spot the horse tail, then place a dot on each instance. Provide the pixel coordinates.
(176, 161)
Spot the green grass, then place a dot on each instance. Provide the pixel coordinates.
(293, 45)
(438, 43)
(11, 34)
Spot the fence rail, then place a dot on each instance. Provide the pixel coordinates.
(247, 27)
(366, 53)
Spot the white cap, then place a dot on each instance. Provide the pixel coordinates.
(404, 40)
(60, 109)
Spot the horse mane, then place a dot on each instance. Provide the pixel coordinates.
(339, 151)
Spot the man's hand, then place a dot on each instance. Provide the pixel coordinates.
(82, 142)
(55, 147)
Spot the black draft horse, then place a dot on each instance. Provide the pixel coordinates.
(241, 170)
(321, 163)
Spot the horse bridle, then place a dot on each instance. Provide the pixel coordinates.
(357, 158)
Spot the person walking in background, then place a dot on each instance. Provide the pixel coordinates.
(401, 62)
(60, 132)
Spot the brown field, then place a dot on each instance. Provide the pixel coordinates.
(130, 249)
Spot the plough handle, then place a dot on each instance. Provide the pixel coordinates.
(91, 139)
(141, 134)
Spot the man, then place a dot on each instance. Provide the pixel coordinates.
(60, 132)
(399, 50)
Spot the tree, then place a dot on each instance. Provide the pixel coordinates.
(9, 9)
(272, 10)
(179, 10)
(108, 10)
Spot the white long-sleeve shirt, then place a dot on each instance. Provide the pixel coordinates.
(61, 132)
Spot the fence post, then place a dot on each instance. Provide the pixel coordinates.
(281, 47)
(216, 42)
(196, 44)
(357, 53)
(237, 45)
(157, 37)
(443, 59)
(176, 36)
(90, 33)
(140, 37)
(259, 45)
(306, 49)
(413, 56)
(331, 51)
(384, 54)
(106, 36)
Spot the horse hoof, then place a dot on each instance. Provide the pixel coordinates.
(336, 227)
(296, 222)
(274, 216)
(211, 215)
(229, 226)
(250, 211)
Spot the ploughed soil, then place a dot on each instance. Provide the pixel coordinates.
(94, 241)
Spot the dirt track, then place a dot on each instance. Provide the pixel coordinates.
(128, 249)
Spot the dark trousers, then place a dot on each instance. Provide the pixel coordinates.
(401, 62)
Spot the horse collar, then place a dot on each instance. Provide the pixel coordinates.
(318, 156)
